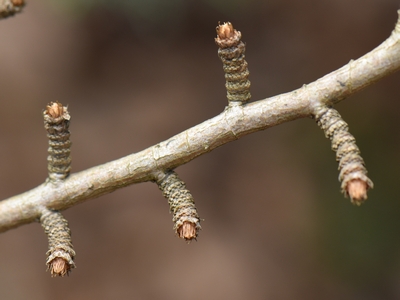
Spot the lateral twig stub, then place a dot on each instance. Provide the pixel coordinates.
(181, 203)
(353, 173)
(56, 122)
(232, 53)
(61, 254)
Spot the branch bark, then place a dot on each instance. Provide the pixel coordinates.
(233, 123)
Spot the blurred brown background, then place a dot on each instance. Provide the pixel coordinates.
(135, 73)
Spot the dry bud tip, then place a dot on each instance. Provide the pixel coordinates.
(225, 31)
(59, 267)
(357, 190)
(55, 109)
(187, 231)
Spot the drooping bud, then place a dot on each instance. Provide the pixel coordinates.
(181, 203)
(61, 254)
(353, 173)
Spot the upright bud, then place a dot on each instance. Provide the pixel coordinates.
(56, 122)
(232, 53)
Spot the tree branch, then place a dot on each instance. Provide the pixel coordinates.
(233, 123)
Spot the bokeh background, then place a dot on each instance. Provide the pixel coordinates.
(137, 72)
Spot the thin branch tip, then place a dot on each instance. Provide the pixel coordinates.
(397, 26)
